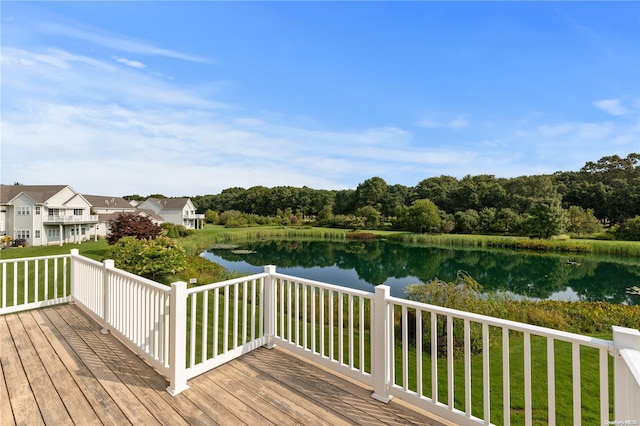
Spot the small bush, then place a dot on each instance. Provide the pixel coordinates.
(154, 259)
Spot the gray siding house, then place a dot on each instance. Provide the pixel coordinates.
(179, 211)
(45, 214)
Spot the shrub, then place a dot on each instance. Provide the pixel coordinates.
(154, 259)
(130, 225)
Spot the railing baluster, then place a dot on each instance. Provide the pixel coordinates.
(527, 379)
(225, 324)
(351, 331)
(64, 277)
(604, 386)
(340, 308)
(4, 287)
(419, 376)
(506, 378)
(434, 357)
(46, 280)
(253, 309)
(15, 284)
(486, 389)
(216, 316)
(331, 325)
(577, 404)
(36, 279)
(551, 381)
(467, 368)
(305, 304)
(192, 329)
(361, 335)
(321, 307)
(405, 349)
(450, 395)
(26, 282)
(55, 278)
(296, 295)
(244, 312)
(312, 298)
(289, 335)
(235, 315)
(205, 324)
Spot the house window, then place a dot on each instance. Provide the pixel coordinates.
(37, 210)
(37, 233)
(22, 233)
(77, 212)
(53, 233)
(84, 231)
(24, 210)
(54, 212)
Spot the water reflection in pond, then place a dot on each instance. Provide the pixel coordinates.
(363, 265)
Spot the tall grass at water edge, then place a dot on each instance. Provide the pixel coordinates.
(615, 248)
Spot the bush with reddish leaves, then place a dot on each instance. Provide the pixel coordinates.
(130, 225)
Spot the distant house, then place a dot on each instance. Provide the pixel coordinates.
(109, 208)
(45, 214)
(179, 211)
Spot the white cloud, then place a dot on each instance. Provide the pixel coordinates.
(611, 106)
(456, 123)
(115, 41)
(129, 62)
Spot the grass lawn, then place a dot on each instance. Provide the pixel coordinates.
(92, 249)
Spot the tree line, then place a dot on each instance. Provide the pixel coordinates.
(605, 192)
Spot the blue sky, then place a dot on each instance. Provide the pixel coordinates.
(190, 98)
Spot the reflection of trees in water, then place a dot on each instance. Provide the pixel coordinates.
(534, 275)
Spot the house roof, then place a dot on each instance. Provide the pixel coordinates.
(39, 193)
(171, 203)
(101, 201)
(105, 217)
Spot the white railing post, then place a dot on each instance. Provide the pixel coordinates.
(626, 370)
(106, 290)
(381, 345)
(270, 306)
(73, 275)
(178, 338)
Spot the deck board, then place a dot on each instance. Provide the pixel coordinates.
(56, 367)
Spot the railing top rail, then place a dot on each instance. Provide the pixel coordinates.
(142, 280)
(88, 260)
(202, 288)
(21, 259)
(511, 325)
(339, 288)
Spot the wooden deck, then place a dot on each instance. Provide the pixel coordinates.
(58, 369)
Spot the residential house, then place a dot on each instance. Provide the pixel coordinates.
(109, 208)
(45, 214)
(179, 211)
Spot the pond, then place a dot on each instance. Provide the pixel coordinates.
(363, 265)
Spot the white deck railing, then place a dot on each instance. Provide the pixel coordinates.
(467, 368)
(34, 283)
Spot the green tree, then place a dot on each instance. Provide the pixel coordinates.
(546, 218)
(371, 216)
(154, 259)
(581, 221)
(629, 230)
(211, 216)
(371, 192)
(422, 216)
(467, 221)
(326, 214)
(440, 190)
